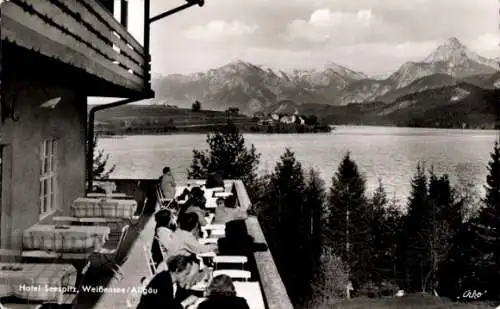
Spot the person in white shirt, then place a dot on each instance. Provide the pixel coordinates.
(184, 240)
(164, 230)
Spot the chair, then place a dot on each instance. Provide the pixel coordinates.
(108, 257)
(149, 260)
(139, 216)
(161, 199)
(233, 273)
(230, 259)
(162, 248)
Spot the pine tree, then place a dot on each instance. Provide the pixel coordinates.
(444, 222)
(414, 244)
(488, 226)
(285, 217)
(382, 236)
(227, 155)
(349, 220)
(100, 170)
(315, 203)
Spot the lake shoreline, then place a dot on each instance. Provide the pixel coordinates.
(389, 153)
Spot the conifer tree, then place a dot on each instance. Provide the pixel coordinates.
(227, 155)
(382, 235)
(414, 244)
(286, 217)
(444, 221)
(315, 202)
(100, 170)
(488, 226)
(349, 220)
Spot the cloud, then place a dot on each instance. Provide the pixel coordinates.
(217, 30)
(339, 27)
(487, 42)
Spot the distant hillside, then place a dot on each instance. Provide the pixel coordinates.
(455, 106)
(161, 119)
(136, 119)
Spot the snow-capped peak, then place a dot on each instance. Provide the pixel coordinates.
(456, 53)
(344, 71)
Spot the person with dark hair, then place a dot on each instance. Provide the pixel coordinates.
(167, 288)
(196, 198)
(214, 180)
(165, 227)
(185, 239)
(167, 183)
(228, 211)
(196, 204)
(237, 240)
(184, 195)
(222, 294)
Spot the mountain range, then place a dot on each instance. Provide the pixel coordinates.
(252, 88)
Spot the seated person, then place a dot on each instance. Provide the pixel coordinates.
(227, 211)
(237, 240)
(196, 198)
(171, 285)
(164, 230)
(185, 239)
(214, 180)
(196, 204)
(184, 195)
(222, 294)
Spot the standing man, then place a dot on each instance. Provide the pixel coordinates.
(167, 183)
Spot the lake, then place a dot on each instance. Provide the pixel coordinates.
(389, 153)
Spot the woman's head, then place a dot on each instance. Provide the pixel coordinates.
(166, 169)
(221, 285)
(180, 267)
(189, 221)
(221, 202)
(165, 218)
(230, 201)
(196, 192)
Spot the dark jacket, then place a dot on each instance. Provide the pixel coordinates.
(161, 295)
(223, 302)
(237, 240)
(156, 252)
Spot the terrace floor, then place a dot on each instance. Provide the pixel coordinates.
(134, 268)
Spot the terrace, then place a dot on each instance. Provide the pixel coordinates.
(267, 290)
(261, 264)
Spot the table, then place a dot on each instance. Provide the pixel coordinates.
(111, 208)
(211, 203)
(103, 195)
(251, 292)
(222, 194)
(39, 282)
(65, 238)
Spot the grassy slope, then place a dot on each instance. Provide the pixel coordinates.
(153, 117)
(412, 301)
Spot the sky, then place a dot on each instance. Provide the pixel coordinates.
(371, 36)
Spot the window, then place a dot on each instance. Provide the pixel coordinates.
(48, 177)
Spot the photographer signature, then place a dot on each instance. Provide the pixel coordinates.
(473, 294)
